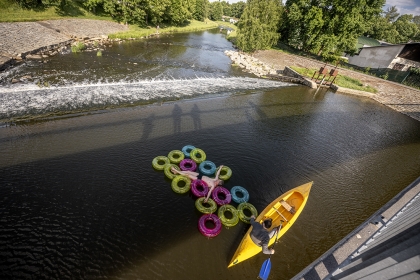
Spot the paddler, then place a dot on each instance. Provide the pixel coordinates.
(261, 235)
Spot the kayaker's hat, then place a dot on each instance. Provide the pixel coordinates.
(267, 223)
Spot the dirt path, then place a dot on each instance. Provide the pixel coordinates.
(398, 97)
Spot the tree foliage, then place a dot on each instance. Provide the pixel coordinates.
(258, 25)
(402, 29)
(201, 11)
(330, 26)
(216, 11)
(237, 9)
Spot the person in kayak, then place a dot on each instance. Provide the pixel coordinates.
(211, 182)
(260, 234)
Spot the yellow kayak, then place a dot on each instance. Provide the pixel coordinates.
(286, 208)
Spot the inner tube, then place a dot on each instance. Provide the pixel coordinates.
(244, 195)
(168, 172)
(201, 205)
(188, 165)
(223, 191)
(225, 173)
(198, 155)
(245, 205)
(159, 162)
(187, 150)
(207, 168)
(209, 232)
(176, 156)
(181, 188)
(225, 221)
(199, 188)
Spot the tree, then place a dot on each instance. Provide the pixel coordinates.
(237, 9)
(201, 10)
(177, 13)
(330, 26)
(258, 25)
(216, 11)
(406, 28)
(391, 14)
(227, 11)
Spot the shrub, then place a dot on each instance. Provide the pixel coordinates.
(78, 47)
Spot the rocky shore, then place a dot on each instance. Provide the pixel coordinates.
(37, 40)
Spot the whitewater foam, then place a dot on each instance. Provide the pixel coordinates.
(32, 100)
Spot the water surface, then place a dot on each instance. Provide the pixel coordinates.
(80, 199)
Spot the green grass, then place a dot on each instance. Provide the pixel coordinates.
(341, 80)
(139, 32)
(11, 12)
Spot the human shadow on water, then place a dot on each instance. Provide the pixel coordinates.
(147, 126)
(176, 115)
(195, 115)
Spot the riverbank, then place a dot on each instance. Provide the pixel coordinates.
(401, 98)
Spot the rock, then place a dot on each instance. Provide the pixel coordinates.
(14, 81)
(34, 56)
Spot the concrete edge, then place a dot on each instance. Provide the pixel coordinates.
(373, 219)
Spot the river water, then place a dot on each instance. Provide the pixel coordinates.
(81, 200)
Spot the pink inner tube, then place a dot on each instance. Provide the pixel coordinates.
(224, 192)
(199, 188)
(188, 165)
(209, 232)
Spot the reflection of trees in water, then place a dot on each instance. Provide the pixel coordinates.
(195, 115)
(176, 115)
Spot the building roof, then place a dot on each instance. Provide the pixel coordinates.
(363, 41)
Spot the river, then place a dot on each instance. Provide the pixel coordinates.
(81, 200)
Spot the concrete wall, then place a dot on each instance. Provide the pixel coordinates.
(376, 57)
(405, 62)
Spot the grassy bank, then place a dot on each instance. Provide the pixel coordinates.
(341, 80)
(11, 12)
(139, 32)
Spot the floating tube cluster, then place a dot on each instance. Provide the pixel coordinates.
(191, 158)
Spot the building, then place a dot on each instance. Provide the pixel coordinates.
(398, 57)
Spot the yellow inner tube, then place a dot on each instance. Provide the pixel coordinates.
(176, 184)
(168, 172)
(225, 221)
(225, 173)
(176, 156)
(159, 162)
(245, 205)
(198, 155)
(201, 205)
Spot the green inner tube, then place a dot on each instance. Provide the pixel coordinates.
(176, 156)
(159, 162)
(225, 221)
(198, 155)
(202, 206)
(168, 172)
(225, 173)
(181, 184)
(245, 205)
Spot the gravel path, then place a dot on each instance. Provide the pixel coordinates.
(396, 96)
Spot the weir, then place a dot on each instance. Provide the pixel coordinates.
(33, 100)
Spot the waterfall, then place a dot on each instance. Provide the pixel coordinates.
(30, 100)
